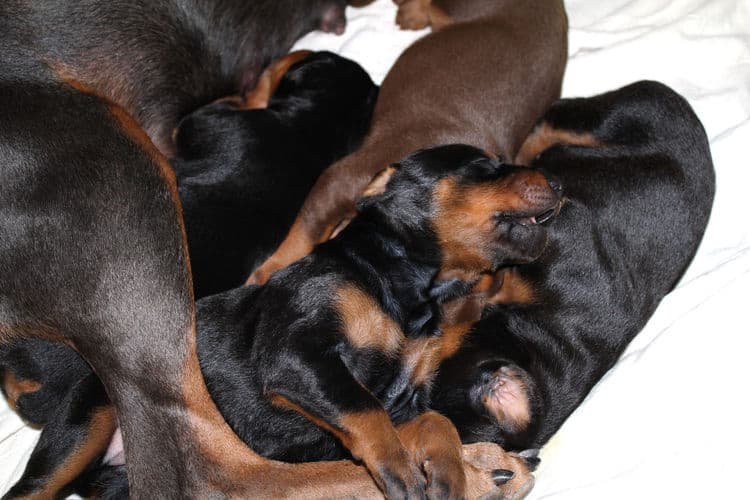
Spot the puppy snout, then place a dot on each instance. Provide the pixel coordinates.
(540, 191)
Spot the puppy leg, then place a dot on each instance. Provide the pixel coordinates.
(69, 443)
(482, 470)
(434, 444)
(324, 391)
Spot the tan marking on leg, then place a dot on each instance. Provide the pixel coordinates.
(101, 427)
(544, 137)
(434, 444)
(365, 324)
(283, 402)
(371, 437)
(270, 79)
(14, 387)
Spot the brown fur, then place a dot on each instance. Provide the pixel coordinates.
(14, 387)
(269, 80)
(100, 429)
(365, 323)
(470, 82)
(545, 136)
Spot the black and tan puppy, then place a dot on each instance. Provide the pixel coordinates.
(483, 77)
(334, 357)
(157, 60)
(639, 185)
(242, 174)
(333, 351)
(92, 252)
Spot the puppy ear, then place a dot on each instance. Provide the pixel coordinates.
(379, 182)
(258, 97)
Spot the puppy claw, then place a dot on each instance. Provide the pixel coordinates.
(502, 476)
(531, 457)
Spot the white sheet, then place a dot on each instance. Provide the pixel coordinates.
(670, 420)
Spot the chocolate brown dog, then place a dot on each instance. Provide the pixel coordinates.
(484, 79)
(92, 252)
(329, 355)
(639, 184)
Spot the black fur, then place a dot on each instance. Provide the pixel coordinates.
(286, 338)
(637, 207)
(243, 174)
(91, 250)
(160, 60)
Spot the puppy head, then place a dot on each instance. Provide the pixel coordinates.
(326, 78)
(488, 396)
(482, 214)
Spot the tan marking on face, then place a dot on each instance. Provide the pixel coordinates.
(464, 219)
(544, 137)
(100, 430)
(270, 79)
(515, 289)
(14, 387)
(365, 324)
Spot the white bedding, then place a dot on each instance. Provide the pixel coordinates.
(671, 419)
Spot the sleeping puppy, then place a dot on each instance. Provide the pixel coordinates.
(471, 81)
(243, 169)
(92, 248)
(639, 184)
(335, 356)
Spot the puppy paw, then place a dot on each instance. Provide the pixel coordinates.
(445, 477)
(400, 477)
(493, 473)
(413, 14)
